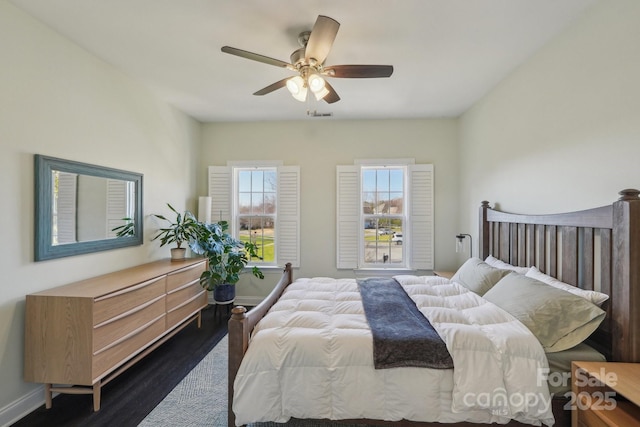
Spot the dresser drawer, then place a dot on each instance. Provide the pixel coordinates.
(180, 278)
(185, 293)
(117, 303)
(115, 329)
(111, 357)
(178, 314)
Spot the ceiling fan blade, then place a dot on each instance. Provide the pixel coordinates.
(359, 71)
(256, 57)
(321, 38)
(332, 96)
(274, 86)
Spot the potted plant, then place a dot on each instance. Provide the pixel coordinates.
(181, 230)
(227, 258)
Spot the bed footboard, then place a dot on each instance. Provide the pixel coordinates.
(241, 325)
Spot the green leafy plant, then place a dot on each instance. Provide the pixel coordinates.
(227, 256)
(182, 229)
(126, 229)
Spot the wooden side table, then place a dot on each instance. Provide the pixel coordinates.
(605, 394)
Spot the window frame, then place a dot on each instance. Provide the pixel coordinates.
(364, 217)
(222, 191)
(237, 216)
(418, 229)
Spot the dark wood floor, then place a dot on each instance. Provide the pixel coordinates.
(130, 397)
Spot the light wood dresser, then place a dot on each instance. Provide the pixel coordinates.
(80, 336)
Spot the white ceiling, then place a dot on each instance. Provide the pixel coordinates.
(446, 53)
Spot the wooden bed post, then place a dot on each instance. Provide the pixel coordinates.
(237, 348)
(484, 241)
(625, 297)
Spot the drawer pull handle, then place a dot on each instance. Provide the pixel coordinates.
(130, 334)
(129, 289)
(130, 312)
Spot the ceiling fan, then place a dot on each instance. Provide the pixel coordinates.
(308, 62)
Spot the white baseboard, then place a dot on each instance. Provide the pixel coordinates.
(22, 407)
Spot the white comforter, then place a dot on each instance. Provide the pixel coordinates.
(311, 357)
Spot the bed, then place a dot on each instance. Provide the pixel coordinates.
(596, 249)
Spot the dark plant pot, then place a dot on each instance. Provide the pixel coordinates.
(224, 293)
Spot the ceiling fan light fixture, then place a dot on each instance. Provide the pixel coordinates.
(321, 93)
(297, 88)
(316, 82)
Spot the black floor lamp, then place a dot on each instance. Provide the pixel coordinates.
(460, 237)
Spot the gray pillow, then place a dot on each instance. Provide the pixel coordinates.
(478, 276)
(559, 319)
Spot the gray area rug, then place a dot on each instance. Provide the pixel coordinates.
(200, 399)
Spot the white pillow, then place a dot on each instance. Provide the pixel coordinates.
(478, 276)
(559, 319)
(496, 263)
(596, 298)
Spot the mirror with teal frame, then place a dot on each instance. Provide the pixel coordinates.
(82, 208)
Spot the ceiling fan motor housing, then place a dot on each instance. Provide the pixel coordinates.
(297, 57)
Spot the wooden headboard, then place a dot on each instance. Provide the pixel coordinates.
(596, 249)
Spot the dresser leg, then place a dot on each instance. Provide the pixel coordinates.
(96, 397)
(47, 396)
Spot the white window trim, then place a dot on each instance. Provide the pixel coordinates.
(384, 162)
(419, 229)
(221, 190)
(255, 163)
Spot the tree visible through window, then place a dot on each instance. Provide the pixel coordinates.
(256, 210)
(261, 202)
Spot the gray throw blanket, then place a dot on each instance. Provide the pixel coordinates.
(402, 336)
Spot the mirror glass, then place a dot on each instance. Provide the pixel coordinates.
(82, 208)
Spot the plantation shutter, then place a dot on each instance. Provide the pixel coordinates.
(220, 191)
(65, 207)
(288, 221)
(116, 204)
(421, 216)
(348, 216)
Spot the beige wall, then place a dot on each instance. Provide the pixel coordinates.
(562, 133)
(56, 99)
(318, 145)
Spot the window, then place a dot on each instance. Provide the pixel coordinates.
(256, 210)
(382, 215)
(261, 203)
(385, 215)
